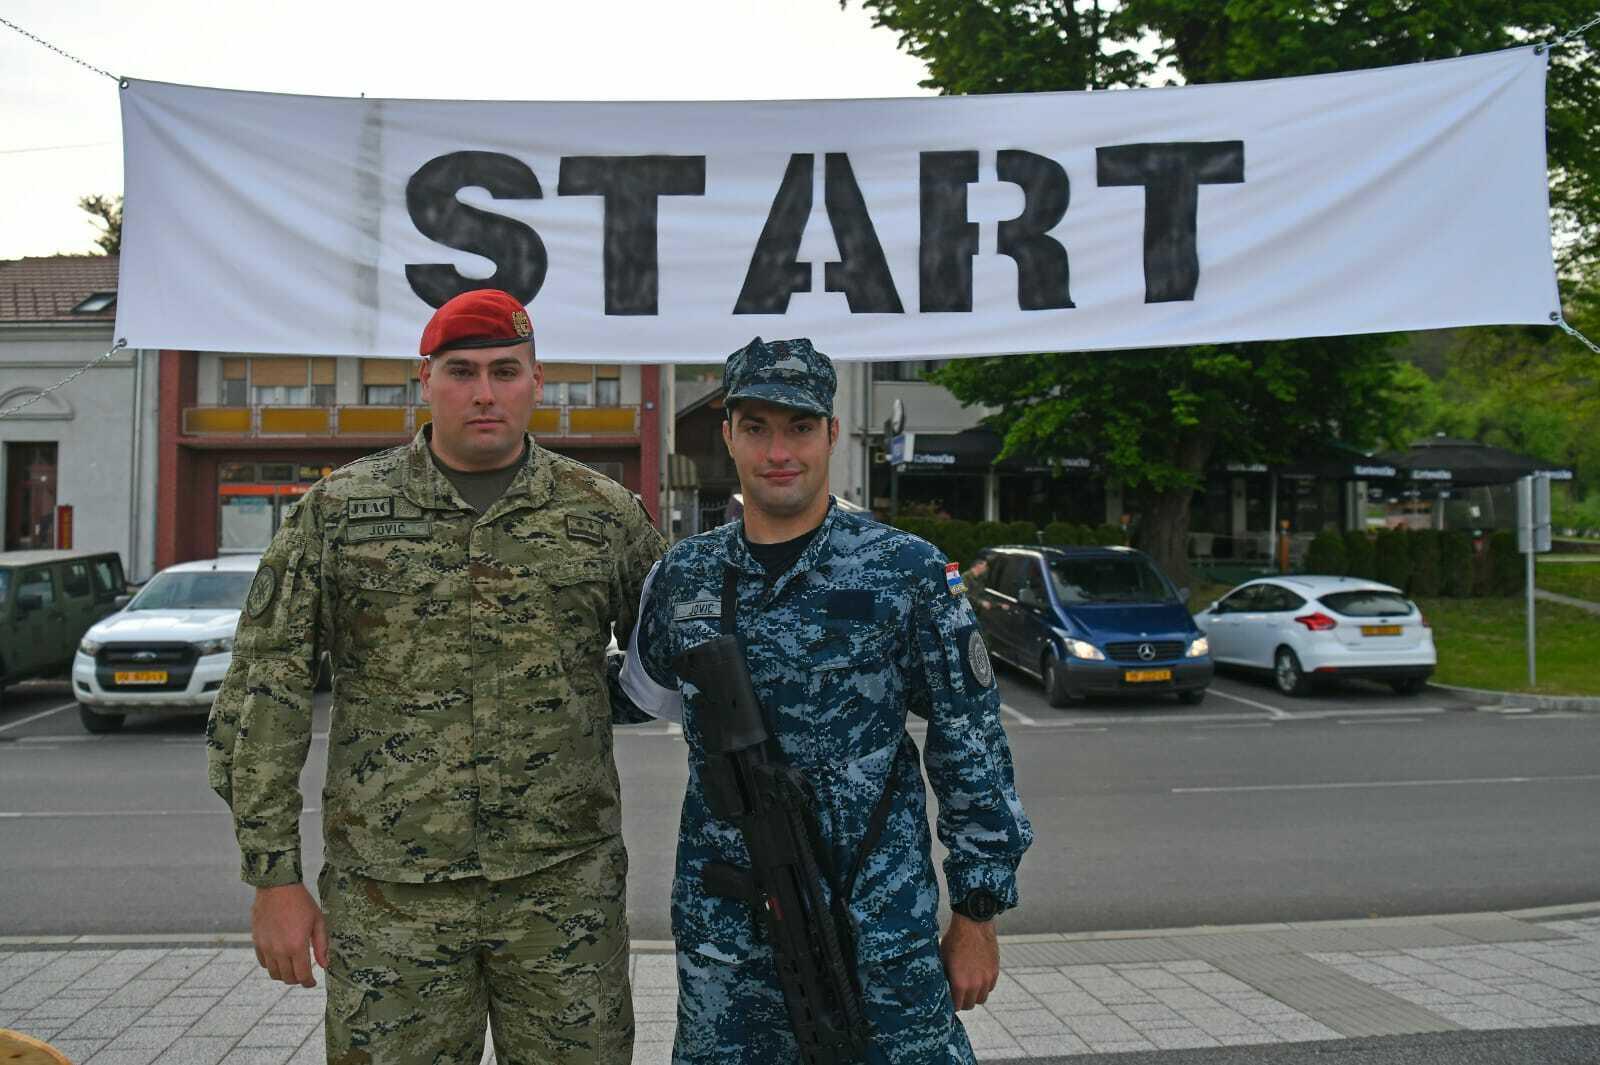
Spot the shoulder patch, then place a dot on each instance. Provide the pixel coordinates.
(262, 591)
(952, 578)
(379, 507)
(582, 528)
(978, 663)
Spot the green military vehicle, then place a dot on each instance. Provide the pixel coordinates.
(48, 600)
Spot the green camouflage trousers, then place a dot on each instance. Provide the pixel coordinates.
(414, 970)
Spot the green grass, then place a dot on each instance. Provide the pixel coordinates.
(1579, 579)
(1482, 643)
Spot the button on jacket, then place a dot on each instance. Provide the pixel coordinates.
(863, 629)
(471, 728)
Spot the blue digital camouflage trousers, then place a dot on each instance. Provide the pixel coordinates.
(732, 1013)
(416, 970)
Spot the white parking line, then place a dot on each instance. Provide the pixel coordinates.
(1379, 721)
(1007, 708)
(35, 717)
(1343, 785)
(1277, 713)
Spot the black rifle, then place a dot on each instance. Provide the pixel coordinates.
(748, 783)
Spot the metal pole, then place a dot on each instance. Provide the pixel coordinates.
(1532, 677)
(1525, 530)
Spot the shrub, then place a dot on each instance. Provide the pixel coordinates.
(1021, 532)
(1061, 533)
(1424, 563)
(1392, 557)
(1358, 555)
(1505, 564)
(1326, 554)
(1455, 564)
(957, 539)
(1107, 535)
(987, 534)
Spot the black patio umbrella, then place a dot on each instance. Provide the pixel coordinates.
(1465, 463)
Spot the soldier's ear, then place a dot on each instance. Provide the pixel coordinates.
(727, 432)
(833, 432)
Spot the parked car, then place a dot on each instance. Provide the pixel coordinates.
(47, 600)
(1310, 629)
(168, 649)
(1089, 620)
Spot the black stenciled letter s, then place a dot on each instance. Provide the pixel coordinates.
(515, 249)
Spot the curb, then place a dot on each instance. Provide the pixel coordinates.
(1563, 911)
(1584, 704)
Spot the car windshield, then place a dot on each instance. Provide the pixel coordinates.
(1367, 603)
(215, 590)
(1126, 579)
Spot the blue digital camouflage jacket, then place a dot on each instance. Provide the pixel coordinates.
(863, 629)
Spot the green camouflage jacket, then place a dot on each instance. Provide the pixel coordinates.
(471, 728)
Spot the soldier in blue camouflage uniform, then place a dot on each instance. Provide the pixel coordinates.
(464, 587)
(847, 625)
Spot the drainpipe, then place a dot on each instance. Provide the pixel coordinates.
(136, 468)
(866, 435)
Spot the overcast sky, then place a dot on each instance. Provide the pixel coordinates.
(62, 130)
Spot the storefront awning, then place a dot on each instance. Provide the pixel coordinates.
(1446, 460)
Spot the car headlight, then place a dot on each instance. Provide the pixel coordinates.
(1085, 650)
(214, 647)
(1202, 646)
(89, 647)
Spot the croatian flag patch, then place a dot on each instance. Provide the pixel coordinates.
(952, 577)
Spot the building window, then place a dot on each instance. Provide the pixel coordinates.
(390, 382)
(287, 382)
(909, 370)
(235, 382)
(608, 393)
(568, 384)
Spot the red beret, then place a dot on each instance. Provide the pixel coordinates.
(482, 318)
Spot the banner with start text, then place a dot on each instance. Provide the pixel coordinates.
(1402, 198)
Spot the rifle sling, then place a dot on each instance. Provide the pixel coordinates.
(880, 811)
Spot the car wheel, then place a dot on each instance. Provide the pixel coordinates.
(1056, 690)
(1192, 697)
(97, 722)
(1409, 685)
(1286, 670)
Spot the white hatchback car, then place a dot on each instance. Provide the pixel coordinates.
(1306, 629)
(168, 649)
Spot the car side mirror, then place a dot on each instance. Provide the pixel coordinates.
(1183, 594)
(121, 601)
(1027, 596)
(28, 602)
(1214, 608)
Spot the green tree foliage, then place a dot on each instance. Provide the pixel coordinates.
(1158, 419)
(106, 214)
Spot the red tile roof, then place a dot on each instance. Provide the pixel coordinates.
(46, 289)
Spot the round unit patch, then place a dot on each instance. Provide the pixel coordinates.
(978, 660)
(262, 590)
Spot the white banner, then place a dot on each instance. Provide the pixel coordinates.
(1404, 198)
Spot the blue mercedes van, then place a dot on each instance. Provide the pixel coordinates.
(1089, 621)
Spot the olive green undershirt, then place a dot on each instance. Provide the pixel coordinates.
(481, 488)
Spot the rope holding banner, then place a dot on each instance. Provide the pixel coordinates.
(1538, 49)
(65, 54)
(1561, 323)
(73, 376)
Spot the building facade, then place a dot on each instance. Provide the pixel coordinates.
(78, 463)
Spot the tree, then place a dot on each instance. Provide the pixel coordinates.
(1157, 419)
(106, 214)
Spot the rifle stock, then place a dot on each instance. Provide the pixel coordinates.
(748, 783)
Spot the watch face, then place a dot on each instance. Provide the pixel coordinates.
(979, 906)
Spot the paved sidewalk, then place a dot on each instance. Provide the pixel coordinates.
(105, 1004)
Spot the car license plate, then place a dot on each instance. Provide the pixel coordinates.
(147, 676)
(1380, 630)
(1141, 676)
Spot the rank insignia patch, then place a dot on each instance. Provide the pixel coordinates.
(581, 528)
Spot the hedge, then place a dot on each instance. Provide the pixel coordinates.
(1326, 554)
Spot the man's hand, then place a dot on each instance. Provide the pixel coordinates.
(286, 925)
(971, 956)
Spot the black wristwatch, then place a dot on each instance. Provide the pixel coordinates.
(979, 905)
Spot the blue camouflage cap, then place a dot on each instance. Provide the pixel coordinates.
(789, 373)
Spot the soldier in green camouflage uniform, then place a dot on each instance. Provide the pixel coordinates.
(474, 859)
